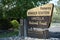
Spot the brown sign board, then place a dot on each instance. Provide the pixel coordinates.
(38, 34)
(40, 16)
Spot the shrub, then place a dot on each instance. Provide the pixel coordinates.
(15, 24)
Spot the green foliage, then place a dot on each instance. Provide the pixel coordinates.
(15, 24)
(9, 34)
(56, 14)
(1, 13)
(18, 8)
(5, 24)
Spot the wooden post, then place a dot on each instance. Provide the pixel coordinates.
(22, 28)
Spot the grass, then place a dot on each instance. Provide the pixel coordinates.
(10, 34)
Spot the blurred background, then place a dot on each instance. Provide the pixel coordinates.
(11, 11)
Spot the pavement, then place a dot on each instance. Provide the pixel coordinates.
(18, 38)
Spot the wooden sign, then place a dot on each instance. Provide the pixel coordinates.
(37, 18)
(40, 16)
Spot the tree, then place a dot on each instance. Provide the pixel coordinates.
(18, 8)
(56, 15)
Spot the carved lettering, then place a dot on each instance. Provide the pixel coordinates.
(43, 23)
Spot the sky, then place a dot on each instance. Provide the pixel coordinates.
(54, 2)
